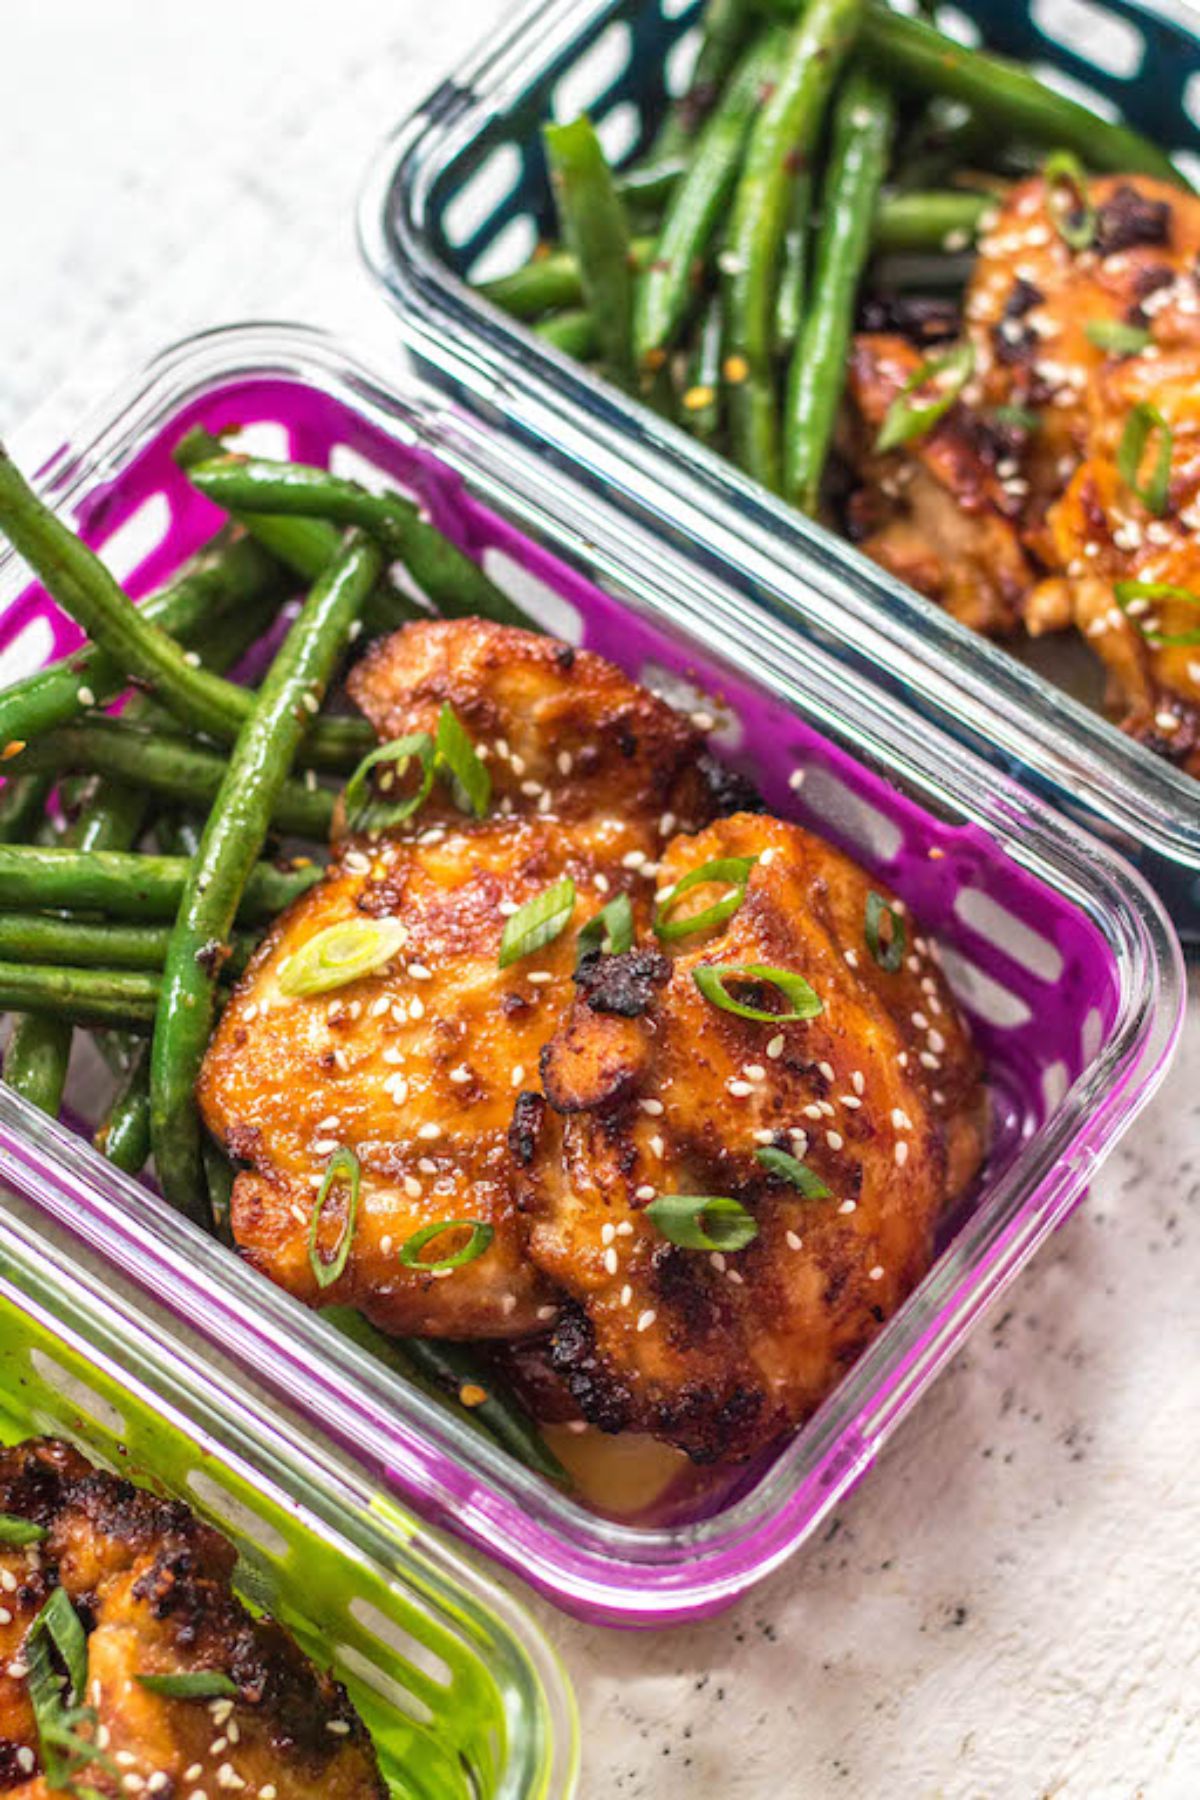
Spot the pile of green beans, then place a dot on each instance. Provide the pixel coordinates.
(143, 851)
(719, 277)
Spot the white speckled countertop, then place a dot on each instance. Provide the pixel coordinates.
(1007, 1608)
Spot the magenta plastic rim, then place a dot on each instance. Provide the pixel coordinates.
(1064, 957)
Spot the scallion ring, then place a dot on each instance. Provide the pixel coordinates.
(19, 1532)
(365, 811)
(711, 978)
(342, 953)
(343, 1165)
(910, 416)
(734, 871)
(887, 951)
(479, 1240)
(790, 1168)
(610, 932)
(1129, 593)
(538, 922)
(1115, 336)
(458, 756)
(1144, 420)
(703, 1221)
(1068, 201)
(191, 1684)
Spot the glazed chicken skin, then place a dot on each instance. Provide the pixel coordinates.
(1014, 509)
(651, 1089)
(150, 1584)
(417, 1066)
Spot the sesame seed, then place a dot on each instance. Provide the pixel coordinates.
(900, 1119)
(876, 1274)
(775, 1047)
(764, 1137)
(827, 1109)
(739, 1089)
(565, 762)
(427, 1165)
(850, 1100)
(310, 703)
(656, 1145)
(460, 1075)
(929, 1061)
(645, 1192)
(633, 859)
(793, 1242)
(848, 1206)
(412, 1187)
(937, 1042)
(539, 977)
(610, 1261)
(834, 1139)
(812, 1110)
(852, 959)
(518, 1074)
(754, 1072)
(735, 1276)
(920, 1021)
(666, 824)
(86, 697)
(430, 1131)
(858, 1081)
(625, 1228)
(607, 1232)
(901, 1153)
(646, 1319)
(653, 1107)
(796, 780)
(416, 1008)
(826, 1070)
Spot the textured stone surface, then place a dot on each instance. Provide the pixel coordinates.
(1006, 1609)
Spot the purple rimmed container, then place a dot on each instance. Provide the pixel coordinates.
(1060, 954)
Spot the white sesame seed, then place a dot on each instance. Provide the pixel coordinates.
(412, 1187)
(850, 1100)
(460, 1075)
(775, 1047)
(858, 1081)
(827, 1109)
(626, 1294)
(633, 859)
(793, 1242)
(607, 1232)
(734, 1276)
(645, 1192)
(739, 1089)
(848, 1206)
(796, 780)
(565, 762)
(812, 1110)
(901, 1153)
(936, 1041)
(764, 1137)
(625, 1228)
(518, 1074)
(834, 1139)
(610, 1261)
(920, 1021)
(929, 1061)
(656, 1145)
(427, 1165)
(876, 1274)
(416, 1008)
(653, 1107)
(310, 703)
(430, 1131)
(539, 977)
(852, 958)
(646, 1319)
(900, 1119)
(86, 697)
(826, 1069)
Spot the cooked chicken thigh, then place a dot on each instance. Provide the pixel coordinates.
(416, 1066)
(150, 1586)
(650, 1089)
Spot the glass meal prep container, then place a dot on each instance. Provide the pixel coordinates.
(461, 192)
(1061, 955)
(461, 1694)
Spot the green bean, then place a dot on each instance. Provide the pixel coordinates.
(863, 122)
(649, 185)
(22, 806)
(219, 1178)
(84, 588)
(44, 938)
(792, 299)
(170, 767)
(35, 1060)
(914, 54)
(119, 885)
(442, 1371)
(551, 282)
(456, 586)
(123, 997)
(929, 221)
(233, 838)
(780, 144)
(700, 402)
(123, 1135)
(667, 290)
(574, 333)
(724, 27)
(597, 233)
(220, 581)
(305, 546)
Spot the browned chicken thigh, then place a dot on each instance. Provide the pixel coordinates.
(416, 1066)
(651, 1089)
(150, 1587)
(1062, 488)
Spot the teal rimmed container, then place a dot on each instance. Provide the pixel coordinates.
(463, 1697)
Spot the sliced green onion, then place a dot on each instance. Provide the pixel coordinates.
(610, 932)
(1142, 421)
(888, 951)
(194, 1684)
(735, 870)
(538, 922)
(1129, 592)
(703, 1221)
(19, 1532)
(1115, 335)
(1067, 200)
(341, 953)
(364, 811)
(479, 1240)
(343, 1165)
(60, 1622)
(789, 1168)
(711, 979)
(455, 752)
(1020, 416)
(909, 417)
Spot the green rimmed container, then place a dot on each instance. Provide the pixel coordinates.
(464, 1698)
